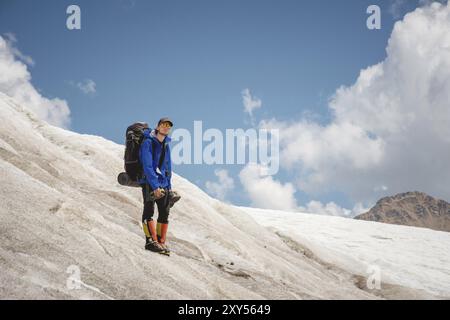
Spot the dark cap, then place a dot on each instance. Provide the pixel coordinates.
(165, 120)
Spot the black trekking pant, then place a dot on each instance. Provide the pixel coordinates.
(149, 205)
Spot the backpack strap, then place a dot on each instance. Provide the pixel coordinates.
(162, 155)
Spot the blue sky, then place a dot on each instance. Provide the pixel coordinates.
(190, 60)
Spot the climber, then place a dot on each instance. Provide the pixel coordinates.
(156, 185)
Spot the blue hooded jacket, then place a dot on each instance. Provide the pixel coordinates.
(156, 178)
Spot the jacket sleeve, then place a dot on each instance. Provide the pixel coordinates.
(147, 164)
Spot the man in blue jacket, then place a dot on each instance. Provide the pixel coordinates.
(157, 168)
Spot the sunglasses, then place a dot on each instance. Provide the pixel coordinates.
(166, 125)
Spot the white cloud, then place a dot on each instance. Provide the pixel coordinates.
(87, 86)
(11, 39)
(332, 209)
(250, 102)
(397, 7)
(15, 82)
(265, 192)
(222, 187)
(391, 129)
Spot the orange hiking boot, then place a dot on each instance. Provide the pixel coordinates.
(162, 232)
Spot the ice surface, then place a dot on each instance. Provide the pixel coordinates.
(62, 208)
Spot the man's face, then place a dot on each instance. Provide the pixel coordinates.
(164, 128)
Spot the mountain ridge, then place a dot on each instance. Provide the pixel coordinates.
(413, 208)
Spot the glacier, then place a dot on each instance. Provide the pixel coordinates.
(61, 207)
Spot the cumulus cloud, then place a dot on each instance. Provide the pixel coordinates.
(332, 209)
(87, 86)
(220, 188)
(15, 81)
(390, 130)
(266, 192)
(250, 102)
(398, 8)
(11, 39)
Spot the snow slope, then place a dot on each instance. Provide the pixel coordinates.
(412, 257)
(61, 208)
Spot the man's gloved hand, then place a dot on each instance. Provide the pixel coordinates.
(158, 193)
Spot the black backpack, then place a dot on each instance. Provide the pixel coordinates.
(134, 137)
